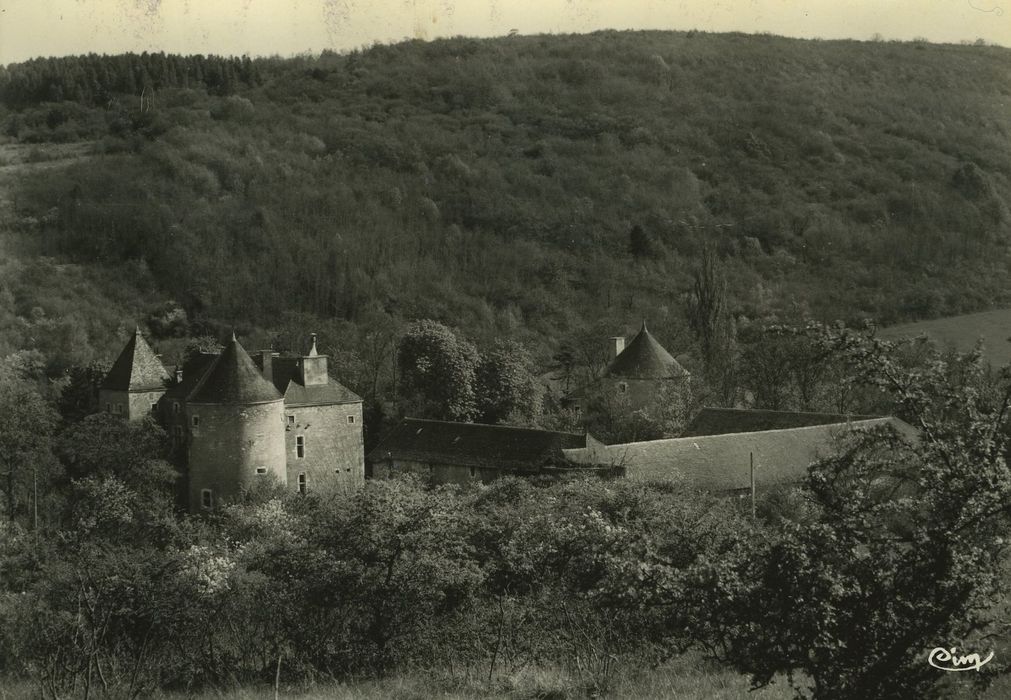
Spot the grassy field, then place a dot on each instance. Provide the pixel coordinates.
(962, 332)
(681, 679)
(685, 679)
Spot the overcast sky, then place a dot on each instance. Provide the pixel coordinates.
(59, 27)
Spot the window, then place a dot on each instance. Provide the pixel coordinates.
(195, 421)
(623, 387)
(261, 470)
(351, 420)
(177, 431)
(154, 406)
(117, 408)
(303, 483)
(175, 408)
(291, 420)
(473, 472)
(206, 498)
(300, 446)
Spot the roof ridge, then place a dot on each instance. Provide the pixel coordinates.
(491, 425)
(696, 438)
(784, 412)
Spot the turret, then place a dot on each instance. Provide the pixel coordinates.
(136, 381)
(235, 419)
(312, 367)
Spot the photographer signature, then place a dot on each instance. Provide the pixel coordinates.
(948, 660)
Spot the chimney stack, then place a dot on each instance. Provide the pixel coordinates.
(313, 366)
(617, 345)
(267, 364)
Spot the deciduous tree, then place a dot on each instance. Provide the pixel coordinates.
(438, 371)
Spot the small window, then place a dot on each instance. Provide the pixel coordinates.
(261, 470)
(195, 421)
(623, 387)
(291, 420)
(300, 447)
(175, 408)
(206, 498)
(303, 483)
(117, 408)
(473, 472)
(154, 406)
(351, 420)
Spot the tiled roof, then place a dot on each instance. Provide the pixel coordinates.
(723, 462)
(137, 368)
(193, 370)
(474, 444)
(296, 394)
(719, 421)
(233, 378)
(645, 358)
(286, 378)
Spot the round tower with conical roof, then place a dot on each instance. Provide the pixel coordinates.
(236, 427)
(638, 372)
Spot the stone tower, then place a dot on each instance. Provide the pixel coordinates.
(236, 426)
(136, 381)
(638, 371)
(323, 429)
(641, 368)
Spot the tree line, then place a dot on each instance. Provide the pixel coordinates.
(94, 80)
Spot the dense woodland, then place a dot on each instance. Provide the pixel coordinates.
(551, 190)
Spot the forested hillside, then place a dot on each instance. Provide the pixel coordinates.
(455, 218)
(547, 189)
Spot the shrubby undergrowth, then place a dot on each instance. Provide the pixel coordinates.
(893, 545)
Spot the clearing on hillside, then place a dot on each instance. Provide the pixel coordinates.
(962, 332)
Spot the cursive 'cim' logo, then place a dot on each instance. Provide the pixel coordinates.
(948, 660)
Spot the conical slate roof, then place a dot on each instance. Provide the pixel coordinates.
(233, 378)
(645, 358)
(136, 369)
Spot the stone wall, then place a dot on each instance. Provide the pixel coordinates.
(435, 473)
(133, 405)
(630, 394)
(334, 447)
(229, 445)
